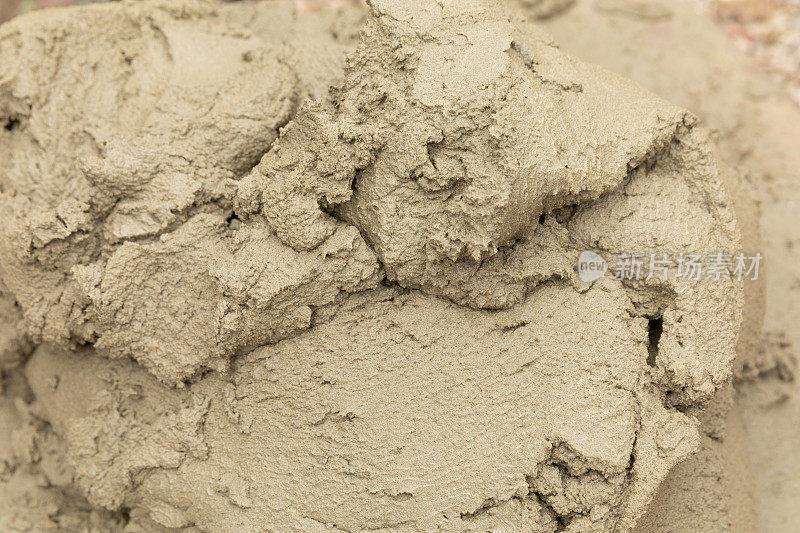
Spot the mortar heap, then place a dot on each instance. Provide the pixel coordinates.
(236, 299)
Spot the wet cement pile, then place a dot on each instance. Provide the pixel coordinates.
(272, 271)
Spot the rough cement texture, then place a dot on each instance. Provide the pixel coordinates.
(125, 143)
(365, 296)
(688, 59)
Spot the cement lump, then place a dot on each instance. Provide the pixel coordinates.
(240, 219)
(449, 191)
(100, 242)
(338, 431)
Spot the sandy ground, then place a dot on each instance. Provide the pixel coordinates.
(768, 30)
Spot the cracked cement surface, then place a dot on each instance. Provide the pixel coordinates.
(265, 305)
(735, 483)
(139, 193)
(332, 427)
